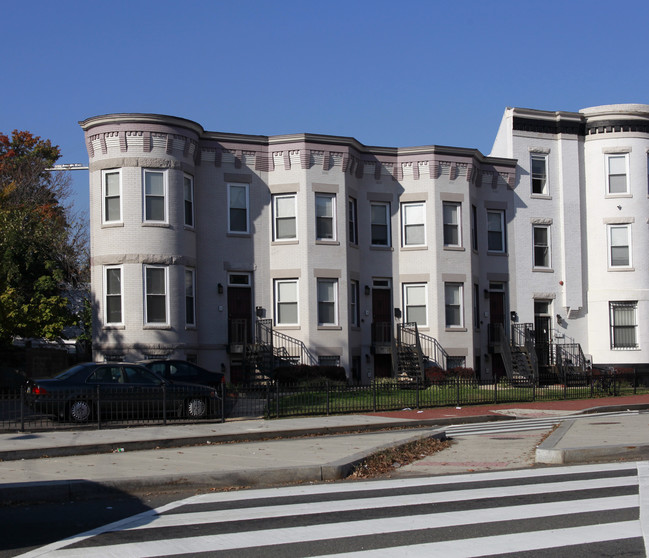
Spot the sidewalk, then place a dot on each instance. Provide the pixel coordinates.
(67, 464)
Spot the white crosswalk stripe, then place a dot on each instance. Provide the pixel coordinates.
(482, 514)
(521, 425)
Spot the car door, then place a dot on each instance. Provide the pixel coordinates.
(143, 394)
(105, 386)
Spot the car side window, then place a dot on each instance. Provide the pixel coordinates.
(180, 369)
(106, 375)
(138, 376)
(158, 368)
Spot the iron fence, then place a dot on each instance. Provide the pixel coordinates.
(20, 410)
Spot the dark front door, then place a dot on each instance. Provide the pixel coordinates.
(497, 318)
(382, 332)
(542, 332)
(240, 314)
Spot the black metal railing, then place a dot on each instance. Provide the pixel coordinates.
(286, 349)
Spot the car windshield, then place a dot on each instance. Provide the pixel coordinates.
(70, 372)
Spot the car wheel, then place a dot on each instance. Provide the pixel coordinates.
(80, 411)
(196, 408)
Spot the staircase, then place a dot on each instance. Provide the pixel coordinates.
(414, 352)
(517, 352)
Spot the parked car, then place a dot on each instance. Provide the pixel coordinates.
(93, 390)
(183, 371)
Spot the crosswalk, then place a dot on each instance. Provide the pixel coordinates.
(587, 510)
(522, 425)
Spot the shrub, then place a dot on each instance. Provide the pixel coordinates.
(312, 374)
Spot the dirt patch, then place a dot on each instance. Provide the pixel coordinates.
(384, 462)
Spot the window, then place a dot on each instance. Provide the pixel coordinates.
(238, 208)
(188, 192)
(352, 220)
(155, 286)
(451, 224)
(414, 300)
(623, 325)
(619, 243)
(380, 215)
(455, 362)
(413, 219)
(328, 360)
(453, 304)
(541, 236)
(190, 299)
(354, 310)
(112, 206)
(286, 310)
(616, 170)
(476, 306)
(285, 221)
(325, 222)
(327, 302)
(474, 228)
(113, 286)
(539, 174)
(496, 231)
(154, 196)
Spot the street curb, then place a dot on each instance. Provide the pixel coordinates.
(185, 441)
(58, 491)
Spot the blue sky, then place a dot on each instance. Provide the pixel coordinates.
(385, 72)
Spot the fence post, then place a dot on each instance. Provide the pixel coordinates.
(222, 402)
(374, 395)
(22, 410)
(457, 390)
(565, 384)
(327, 386)
(98, 410)
(417, 393)
(635, 381)
(164, 404)
(592, 387)
(495, 380)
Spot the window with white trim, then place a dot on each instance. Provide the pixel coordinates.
(619, 245)
(539, 166)
(112, 196)
(286, 302)
(496, 231)
(624, 324)
(453, 305)
(325, 216)
(352, 220)
(114, 295)
(380, 224)
(354, 309)
(541, 238)
(238, 205)
(452, 220)
(155, 196)
(188, 195)
(285, 217)
(327, 360)
(190, 298)
(327, 302)
(415, 303)
(474, 228)
(617, 170)
(155, 294)
(413, 223)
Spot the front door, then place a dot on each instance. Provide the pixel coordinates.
(497, 318)
(382, 331)
(542, 332)
(240, 314)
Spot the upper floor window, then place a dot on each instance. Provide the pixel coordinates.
(327, 302)
(413, 222)
(496, 231)
(286, 302)
(325, 212)
(352, 220)
(155, 196)
(155, 294)
(624, 325)
(541, 236)
(190, 299)
(112, 196)
(617, 171)
(285, 219)
(354, 310)
(414, 301)
(113, 290)
(452, 217)
(474, 228)
(539, 173)
(238, 208)
(188, 194)
(380, 216)
(619, 245)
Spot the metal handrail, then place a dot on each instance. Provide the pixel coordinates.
(408, 334)
(282, 345)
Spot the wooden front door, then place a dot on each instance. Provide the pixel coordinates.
(497, 317)
(382, 332)
(240, 308)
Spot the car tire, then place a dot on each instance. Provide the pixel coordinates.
(196, 408)
(80, 410)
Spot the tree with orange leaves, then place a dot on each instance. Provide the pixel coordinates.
(42, 245)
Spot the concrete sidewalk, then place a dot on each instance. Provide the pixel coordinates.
(58, 465)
